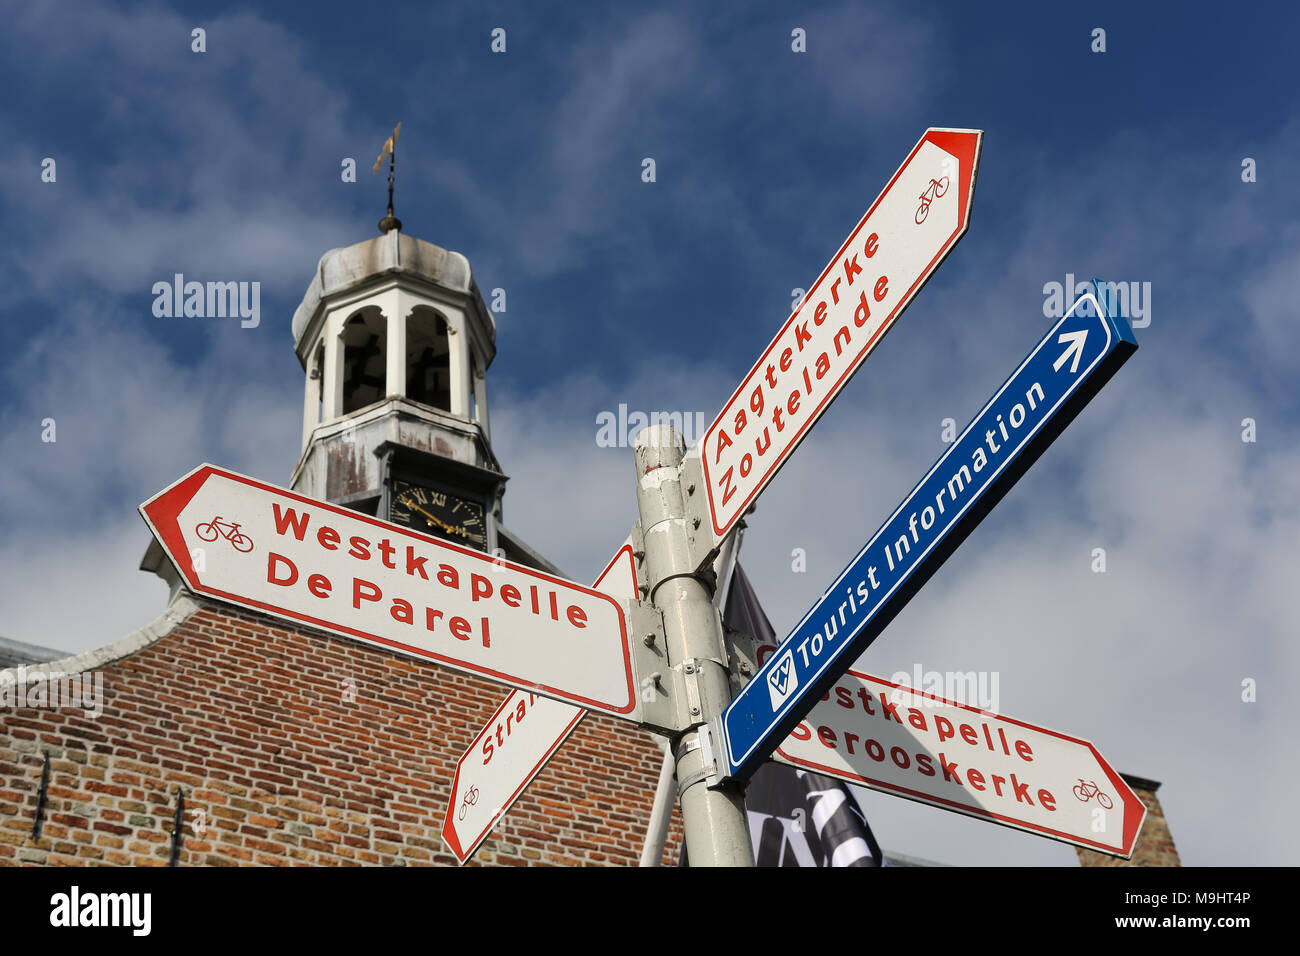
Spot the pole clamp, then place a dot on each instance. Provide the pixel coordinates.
(701, 739)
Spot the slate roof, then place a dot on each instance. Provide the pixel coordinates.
(13, 653)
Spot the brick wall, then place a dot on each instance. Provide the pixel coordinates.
(1155, 844)
(250, 718)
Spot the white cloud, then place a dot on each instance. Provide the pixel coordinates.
(205, 163)
(73, 541)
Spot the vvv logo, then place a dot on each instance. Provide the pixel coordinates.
(782, 681)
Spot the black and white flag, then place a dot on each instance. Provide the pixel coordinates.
(798, 818)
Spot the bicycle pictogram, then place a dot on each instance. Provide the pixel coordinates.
(932, 192)
(1086, 790)
(470, 798)
(209, 530)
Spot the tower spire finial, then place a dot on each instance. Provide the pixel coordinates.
(389, 222)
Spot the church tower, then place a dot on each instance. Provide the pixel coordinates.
(394, 339)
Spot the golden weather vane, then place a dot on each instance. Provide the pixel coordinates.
(390, 221)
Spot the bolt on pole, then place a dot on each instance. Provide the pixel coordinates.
(714, 821)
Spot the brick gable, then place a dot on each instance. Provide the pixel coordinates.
(252, 719)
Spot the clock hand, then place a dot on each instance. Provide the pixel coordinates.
(433, 518)
(446, 527)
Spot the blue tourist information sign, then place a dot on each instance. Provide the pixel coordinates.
(1050, 387)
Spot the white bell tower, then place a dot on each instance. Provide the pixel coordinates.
(395, 339)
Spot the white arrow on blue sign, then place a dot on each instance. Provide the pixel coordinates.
(1050, 387)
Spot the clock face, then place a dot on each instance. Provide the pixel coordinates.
(439, 513)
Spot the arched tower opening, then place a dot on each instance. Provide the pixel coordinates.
(364, 350)
(428, 358)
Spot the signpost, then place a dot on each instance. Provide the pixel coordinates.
(905, 234)
(869, 731)
(518, 741)
(908, 231)
(1049, 388)
(274, 551)
(566, 648)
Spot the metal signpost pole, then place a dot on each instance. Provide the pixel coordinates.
(716, 829)
(661, 813)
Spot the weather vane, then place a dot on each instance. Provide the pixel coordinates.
(389, 222)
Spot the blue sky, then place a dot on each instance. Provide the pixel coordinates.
(1124, 164)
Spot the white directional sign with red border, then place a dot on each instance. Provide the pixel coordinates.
(517, 742)
(891, 738)
(908, 231)
(268, 549)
